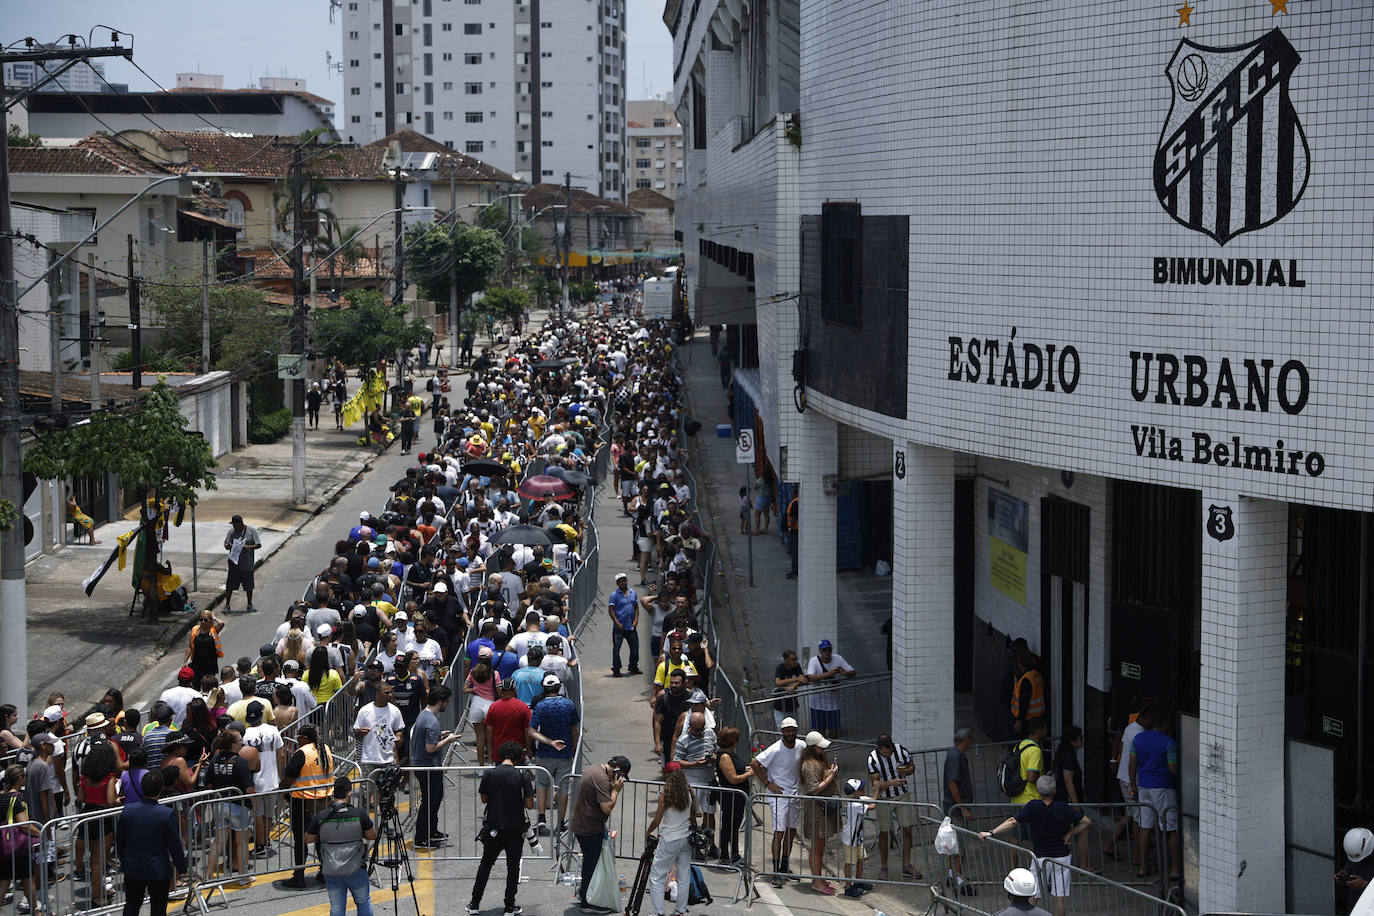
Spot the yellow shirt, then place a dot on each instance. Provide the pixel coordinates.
(1032, 758)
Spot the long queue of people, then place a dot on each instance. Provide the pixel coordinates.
(424, 593)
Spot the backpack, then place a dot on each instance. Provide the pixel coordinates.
(1009, 770)
(697, 891)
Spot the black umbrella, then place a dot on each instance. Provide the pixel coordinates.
(552, 363)
(485, 467)
(573, 478)
(530, 535)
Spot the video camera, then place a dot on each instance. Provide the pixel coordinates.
(388, 781)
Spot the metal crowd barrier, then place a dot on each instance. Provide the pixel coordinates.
(984, 864)
(863, 704)
(461, 810)
(214, 835)
(803, 811)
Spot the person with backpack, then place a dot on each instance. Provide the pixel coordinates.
(343, 832)
(1021, 767)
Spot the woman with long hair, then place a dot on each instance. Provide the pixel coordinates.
(114, 699)
(97, 790)
(131, 780)
(322, 680)
(677, 818)
(199, 727)
(176, 756)
(19, 867)
(818, 776)
(292, 647)
(9, 741)
(284, 709)
(481, 684)
(732, 772)
(346, 639)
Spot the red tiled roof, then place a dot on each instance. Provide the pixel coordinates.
(547, 195)
(264, 156)
(272, 263)
(649, 199)
(468, 168)
(97, 154)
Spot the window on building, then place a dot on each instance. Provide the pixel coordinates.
(448, 86)
(548, 173)
(548, 143)
(643, 163)
(429, 93)
(448, 55)
(352, 7)
(400, 31)
(355, 91)
(353, 63)
(546, 84)
(376, 85)
(472, 58)
(427, 8)
(376, 55)
(472, 146)
(376, 26)
(355, 119)
(472, 88)
(660, 184)
(642, 183)
(429, 125)
(377, 114)
(473, 117)
(427, 35)
(472, 28)
(447, 27)
(448, 116)
(660, 122)
(400, 88)
(841, 262)
(546, 54)
(353, 35)
(641, 143)
(429, 64)
(546, 114)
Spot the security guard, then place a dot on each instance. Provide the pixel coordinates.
(309, 774)
(1028, 695)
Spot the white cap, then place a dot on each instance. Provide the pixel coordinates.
(619, 576)
(441, 587)
(53, 713)
(789, 722)
(816, 739)
(359, 610)
(324, 631)
(551, 680)
(400, 615)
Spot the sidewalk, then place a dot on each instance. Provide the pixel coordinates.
(66, 628)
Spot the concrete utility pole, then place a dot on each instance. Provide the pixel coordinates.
(97, 325)
(398, 201)
(297, 329)
(135, 322)
(454, 314)
(14, 674)
(205, 306)
(55, 340)
(566, 237)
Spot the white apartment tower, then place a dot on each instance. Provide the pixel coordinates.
(535, 87)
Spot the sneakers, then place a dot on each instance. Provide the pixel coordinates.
(514, 911)
(854, 891)
(252, 610)
(472, 909)
(291, 884)
(636, 671)
(967, 890)
(910, 872)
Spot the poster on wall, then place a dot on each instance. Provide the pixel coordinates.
(1009, 540)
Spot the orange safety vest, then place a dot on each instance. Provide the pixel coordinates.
(314, 782)
(1036, 706)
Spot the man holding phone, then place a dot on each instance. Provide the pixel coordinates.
(427, 743)
(597, 794)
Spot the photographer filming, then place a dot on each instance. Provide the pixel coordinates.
(343, 832)
(508, 794)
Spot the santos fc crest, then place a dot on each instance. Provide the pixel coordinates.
(1232, 157)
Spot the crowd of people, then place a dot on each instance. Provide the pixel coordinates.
(462, 569)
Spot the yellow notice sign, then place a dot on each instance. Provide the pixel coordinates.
(1007, 571)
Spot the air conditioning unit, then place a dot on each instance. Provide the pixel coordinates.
(831, 483)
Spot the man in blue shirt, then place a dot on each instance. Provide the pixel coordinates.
(1053, 825)
(624, 611)
(1154, 764)
(555, 717)
(529, 681)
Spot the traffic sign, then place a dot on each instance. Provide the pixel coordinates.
(744, 447)
(290, 365)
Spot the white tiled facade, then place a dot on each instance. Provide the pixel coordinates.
(465, 75)
(1020, 141)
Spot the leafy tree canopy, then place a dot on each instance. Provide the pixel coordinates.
(438, 252)
(582, 291)
(149, 449)
(507, 302)
(367, 330)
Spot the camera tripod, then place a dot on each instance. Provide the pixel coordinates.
(389, 851)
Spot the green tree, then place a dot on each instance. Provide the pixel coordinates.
(148, 449)
(546, 290)
(508, 302)
(582, 291)
(368, 329)
(439, 251)
(16, 138)
(246, 335)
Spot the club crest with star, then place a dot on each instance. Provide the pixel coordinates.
(1232, 156)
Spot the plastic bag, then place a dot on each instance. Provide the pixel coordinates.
(604, 889)
(882, 568)
(946, 840)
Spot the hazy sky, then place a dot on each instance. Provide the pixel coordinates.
(247, 39)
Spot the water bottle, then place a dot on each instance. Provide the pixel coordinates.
(569, 879)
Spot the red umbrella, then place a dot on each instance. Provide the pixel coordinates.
(542, 485)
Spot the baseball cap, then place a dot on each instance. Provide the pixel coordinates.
(550, 680)
(53, 713)
(463, 562)
(508, 684)
(484, 652)
(186, 673)
(816, 739)
(291, 665)
(267, 649)
(825, 644)
(853, 785)
(373, 562)
(619, 576)
(697, 697)
(43, 738)
(789, 722)
(253, 713)
(374, 665)
(364, 516)
(359, 610)
(324, 631)
(400, 615)
(671, 766)
(441, 588)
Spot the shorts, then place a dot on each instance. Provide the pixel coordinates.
(628, 487)
(904, 814)
(265, 805)
(1053, 874)
(853, 855)
(762, 503)
(19, 867)
(644, 544)
(744, 512)
(1126, 796)
(825, 720)
(234, 816)
(239, 578)
(1158, 805)
(706, 802)
(557, 767)
(477, 712)
(785, 813)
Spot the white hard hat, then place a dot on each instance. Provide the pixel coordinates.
(1020, 883)
(1359, 843)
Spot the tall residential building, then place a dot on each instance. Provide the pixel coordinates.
(84, 77)
(534, 88)
(654, 146)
